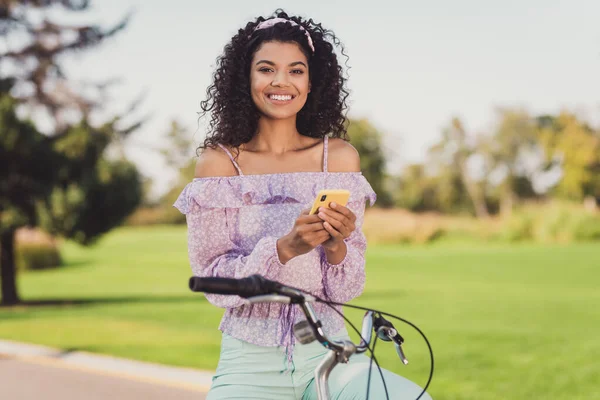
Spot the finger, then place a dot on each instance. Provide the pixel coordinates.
(338, 220)
(322, 237)
(305, 211)
(339, 226)
(308, 219)
(333, 214)
(343, 210)
(332, 231)
(314, 227)
(316, 238)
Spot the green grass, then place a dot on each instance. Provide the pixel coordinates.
(505, 322)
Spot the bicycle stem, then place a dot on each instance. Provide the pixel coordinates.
(338, 351)
(308, 311)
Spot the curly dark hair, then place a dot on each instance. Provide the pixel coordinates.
(234, 116)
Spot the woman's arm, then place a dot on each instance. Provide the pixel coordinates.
(213, 254)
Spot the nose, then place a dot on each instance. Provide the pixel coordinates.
(281, 78)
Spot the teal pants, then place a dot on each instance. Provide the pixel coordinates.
(246, 371)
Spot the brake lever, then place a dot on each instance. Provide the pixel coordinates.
(386, 332)
(398, 340)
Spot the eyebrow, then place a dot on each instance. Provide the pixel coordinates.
(273, 64)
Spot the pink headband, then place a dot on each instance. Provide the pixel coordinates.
(270, 22)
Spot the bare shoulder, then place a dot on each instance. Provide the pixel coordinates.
(342, 156)
(213, 162)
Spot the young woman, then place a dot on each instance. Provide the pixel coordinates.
(277, 136)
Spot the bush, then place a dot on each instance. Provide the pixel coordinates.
(553, 222)
(550, 222)
(36, 250)
(37, 256)
(518, 227)
(145, 216)
(587, 229)
(401, 227)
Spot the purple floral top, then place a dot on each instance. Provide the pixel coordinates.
(233, 226)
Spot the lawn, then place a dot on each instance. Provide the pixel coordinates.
(505, 321)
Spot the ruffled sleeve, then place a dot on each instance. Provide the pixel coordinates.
(212, 193)
(210, 249)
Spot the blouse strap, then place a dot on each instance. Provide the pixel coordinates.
(325, 142)
(239, 170)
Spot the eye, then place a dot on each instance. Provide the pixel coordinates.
(297, 71)
(265, 69)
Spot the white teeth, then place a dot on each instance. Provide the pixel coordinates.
(280, 97)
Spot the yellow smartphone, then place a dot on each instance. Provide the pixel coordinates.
(326, 196)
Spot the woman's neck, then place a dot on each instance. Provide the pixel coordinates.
(275, 136)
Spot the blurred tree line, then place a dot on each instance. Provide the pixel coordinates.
(523, 158)
(64, 179)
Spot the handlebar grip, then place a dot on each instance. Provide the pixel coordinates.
(254, 285)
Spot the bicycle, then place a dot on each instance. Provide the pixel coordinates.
(257, 289)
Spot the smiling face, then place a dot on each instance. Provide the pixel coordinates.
(279, 81)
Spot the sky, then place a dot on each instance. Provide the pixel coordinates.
(414, 65)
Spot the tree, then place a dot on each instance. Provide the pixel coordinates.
(451, 155)
(416, 190)
(574, 147)
(179, 144)
(368, 142)
(37, 45)
(24, 178)
(512, 144)
(63, 182)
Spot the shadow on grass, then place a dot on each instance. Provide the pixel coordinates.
(75, 264)
(58, 353)
(66, 352)
(65, 265)
(187, 298)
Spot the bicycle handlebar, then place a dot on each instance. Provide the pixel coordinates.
(254, 285)
(257, 289)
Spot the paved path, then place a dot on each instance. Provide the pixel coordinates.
(30, 372)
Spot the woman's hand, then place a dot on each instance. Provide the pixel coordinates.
(307, 233)
(339, 222)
